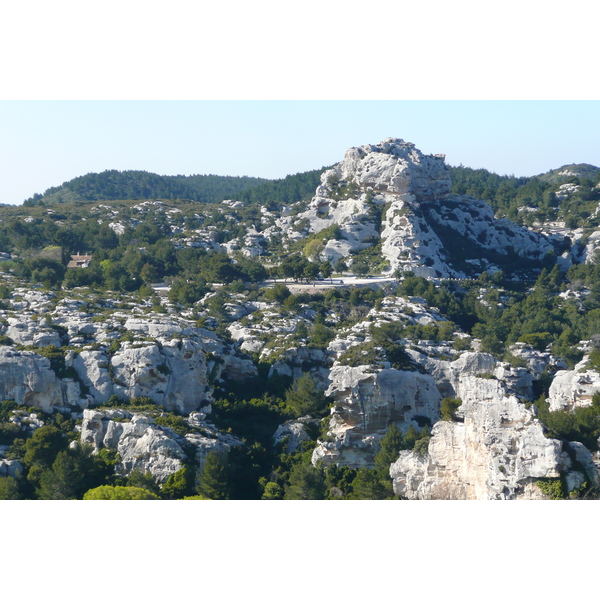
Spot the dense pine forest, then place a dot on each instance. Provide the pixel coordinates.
(141, 185)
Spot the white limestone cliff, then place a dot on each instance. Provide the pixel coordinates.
(574, 388)
(366, 401)
(499, 451)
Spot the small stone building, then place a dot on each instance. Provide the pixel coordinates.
(79, 261)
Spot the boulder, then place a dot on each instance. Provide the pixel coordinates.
(10, 468)
(173, 375)
(573, 389)
(295, 432)
(27, 378)
(448, 373)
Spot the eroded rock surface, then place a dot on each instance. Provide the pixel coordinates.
(499, 451)
(367, 401)
(575, 388)
(147, 447)
(27, 379)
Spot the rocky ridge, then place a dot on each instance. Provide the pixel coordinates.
(393, 195)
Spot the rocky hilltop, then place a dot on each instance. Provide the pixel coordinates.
(227, 351)
(394, 199)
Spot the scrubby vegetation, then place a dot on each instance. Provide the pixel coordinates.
(190, 236)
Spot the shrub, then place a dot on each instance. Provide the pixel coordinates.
(119, 492)
(577, 425)
(196, 497)
(179, 484)
(595, 359)
(539, 341)
(278, 293)
(553, 487)
(460, 344)
(141, 401)
(320, 335)
(114, 401)
(175, 422)
(421, 447)
(448, 408)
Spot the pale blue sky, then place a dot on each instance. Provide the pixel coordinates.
(44, 143)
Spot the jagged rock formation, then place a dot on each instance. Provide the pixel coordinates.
(144, 446)
(165, 358)
(295, 362)
(499, 451)
(367, 400)
(28, 332)
(394, 194)
(173, 376)
(27, 379)
(448, 373)
(537, 362)
(574, 389)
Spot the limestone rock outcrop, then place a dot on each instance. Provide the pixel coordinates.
(575, 388)
(396, 167)
(147, 447)
(172, 375)
(448, 373)
(294, 433)
(10, 468)
(391, 193)
(367, 400)
(537, 362)
(498, 451)
(27, 379)
(27, 331)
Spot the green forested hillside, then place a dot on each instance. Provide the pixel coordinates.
(139, 185)
(292, 188)
(528, 199)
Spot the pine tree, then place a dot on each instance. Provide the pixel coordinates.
(306, 483)
(371, 484)
(214, 482)
(391, 444)
(305, 398)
